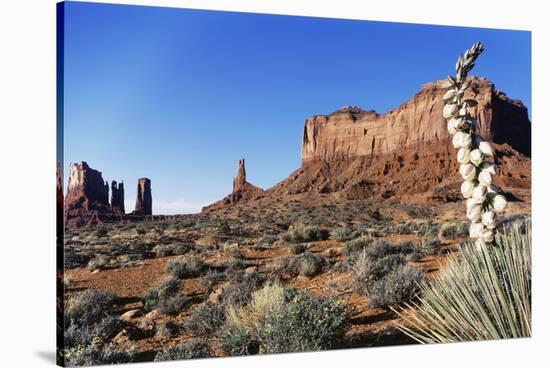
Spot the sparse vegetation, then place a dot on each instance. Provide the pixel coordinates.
(187, 266)
(160, 293)
(278, 320)
(383, 276)
(300, 233)
(193, 349)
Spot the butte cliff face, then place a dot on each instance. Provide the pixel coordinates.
(144, 199)
(242, 190)
(360, 154)
(352, 132)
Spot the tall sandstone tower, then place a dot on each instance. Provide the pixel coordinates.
(144, 200)
(117, 197)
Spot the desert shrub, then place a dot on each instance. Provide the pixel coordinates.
(266, 240)
(101, 232)
(74, 260)
(357, 245)
(160, 292)
(168, 328)
(398, 285)
(205, 319)
(210, 279)
(173, 305)
(306, 264)
(235, 253)
(174, 249)
(99, 354)
(190, 266)
(98, 263)
(192, 349)
(403, 228)
(300, 233)
(89, 307)
(385, 278)
(278, 320)
(297, 248)
(89, 324)
(240, 290)
(381, 248)
(481, 295)
(342, 234)
(82, 334)
(428, 229)
(430, 245)
(453, 230)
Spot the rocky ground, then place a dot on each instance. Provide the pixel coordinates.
(313, 245)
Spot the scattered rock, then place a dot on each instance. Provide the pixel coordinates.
(131, 314)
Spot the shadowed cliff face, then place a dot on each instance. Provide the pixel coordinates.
(352, 132)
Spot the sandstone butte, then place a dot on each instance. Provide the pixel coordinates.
(87, 198)
(357, 154)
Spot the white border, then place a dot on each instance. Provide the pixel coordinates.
(27, 144)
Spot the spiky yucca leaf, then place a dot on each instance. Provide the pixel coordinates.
(481, 295)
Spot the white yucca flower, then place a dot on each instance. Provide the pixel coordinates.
(476, 157)
(467, 171)
(463, 155)
(489, 167)
(499, 203)
(485, 178)
(467, 188)
(462, 140)
(485, 148)
(483, 200)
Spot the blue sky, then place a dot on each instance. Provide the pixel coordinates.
(180, 95)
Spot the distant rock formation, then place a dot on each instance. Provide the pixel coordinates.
(117, 197)
(360, 154)
(144, 200)
(87, 195)
(87, 198)
(242, 190)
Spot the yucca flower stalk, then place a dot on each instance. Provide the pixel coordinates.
(483, 201)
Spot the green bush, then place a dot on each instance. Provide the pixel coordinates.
(297, 248)
(481, 294)
(306, 264)
(192, 349)
(342, 234)
(173, 305)
(357, 245)
(185, 267)
(156, 295)
(99, 354)
(206, 319)
(168, 328)
(385, 278)
(453, 230)
(89, 307)
(278, 320)
(300, 233)
(174, 249)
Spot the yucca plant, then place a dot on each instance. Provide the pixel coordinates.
(481, 295)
